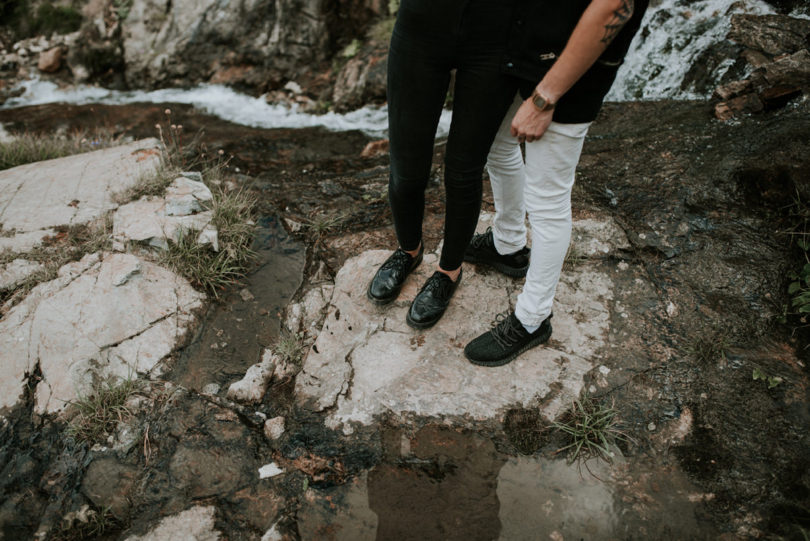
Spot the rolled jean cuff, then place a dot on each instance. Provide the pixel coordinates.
(531, 319)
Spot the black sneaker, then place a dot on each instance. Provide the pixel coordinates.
(507, 339)
(387, 282)
(430, 303)
(482, 250)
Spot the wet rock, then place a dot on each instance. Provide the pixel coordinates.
(50, 60)
(14, 273)
(771, 34)
(260, 504)
(107, 483)
(253, 385)
(367, 361)
(42, 329)
(339, 513)
(274, 428)
(204, 472)
(69, 191)
(196, 523)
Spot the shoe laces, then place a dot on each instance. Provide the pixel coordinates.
(483, 240)
(439, 285)
(400, 259)
(507, 330)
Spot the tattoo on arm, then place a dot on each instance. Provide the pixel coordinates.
(620, 17)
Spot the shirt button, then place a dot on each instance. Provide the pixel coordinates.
(510, 65)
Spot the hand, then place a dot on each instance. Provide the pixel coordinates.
(529, 123)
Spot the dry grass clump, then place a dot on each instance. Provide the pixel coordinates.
(99, 412)
(35, 147)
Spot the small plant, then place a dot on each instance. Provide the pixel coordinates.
(799, 288)
(573, 257)
(99, 412)
(290, 347)
(709, 346)
(86, 523)
(592, 429)
(122, 8)
(351, 50)
(323, 224)
(772, 381)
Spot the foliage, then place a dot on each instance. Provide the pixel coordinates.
(99, 413)
(709, 346)
(290, 347)
(591, 428)
(351, 50)
(122, 8)
(799, 288)
(86, 523)
(57, 19)
(773, 381)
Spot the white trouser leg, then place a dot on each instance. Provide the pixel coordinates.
(549, 172)
(507, 176)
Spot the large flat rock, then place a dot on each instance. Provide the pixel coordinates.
(106, 315)
(67, 191)
(366, 360)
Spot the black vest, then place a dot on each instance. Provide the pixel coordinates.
(540, 31)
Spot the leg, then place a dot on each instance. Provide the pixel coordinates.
(482, 98)
(550, 169)
(507, 176)
(413, 115)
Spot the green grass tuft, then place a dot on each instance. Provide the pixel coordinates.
(99, 413)
(290, 347)
(592, 429)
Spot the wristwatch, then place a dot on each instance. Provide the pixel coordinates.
(541, 102)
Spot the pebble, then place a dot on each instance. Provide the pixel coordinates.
(211, 388)
(269, 470)
(274, 428)
(651, 427)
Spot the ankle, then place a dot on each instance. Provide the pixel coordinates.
(453, 274)
(413, 253)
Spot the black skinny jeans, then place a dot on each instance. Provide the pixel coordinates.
(430, 38)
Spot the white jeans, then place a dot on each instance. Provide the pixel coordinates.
(542, 187)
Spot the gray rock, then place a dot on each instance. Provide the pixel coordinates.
(67, 191)
(196, 523)
(211, 388)
(185, 196)
(147, 220)
(82, 325)
(107, 483)
(274, 428)
(14, 273)
(367, 361)
(253, 385)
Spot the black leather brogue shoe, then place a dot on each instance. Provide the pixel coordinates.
(387, 282)
(432, 300)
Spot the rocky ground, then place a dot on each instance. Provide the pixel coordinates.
(673, 307)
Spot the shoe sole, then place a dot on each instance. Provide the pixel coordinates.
(542, 339)
(500, 267)
(388, 300)
(419, 326)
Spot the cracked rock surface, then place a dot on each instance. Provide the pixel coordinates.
(73, 327)
(36, 197)
(367, 361)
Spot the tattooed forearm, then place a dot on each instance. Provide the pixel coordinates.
(620, 16)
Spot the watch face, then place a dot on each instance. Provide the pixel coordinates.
(540, 102)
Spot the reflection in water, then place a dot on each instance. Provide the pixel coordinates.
(544, 499)
(439, 484)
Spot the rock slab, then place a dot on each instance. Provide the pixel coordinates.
(366, 361)
(108, 315)
(36, 197)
